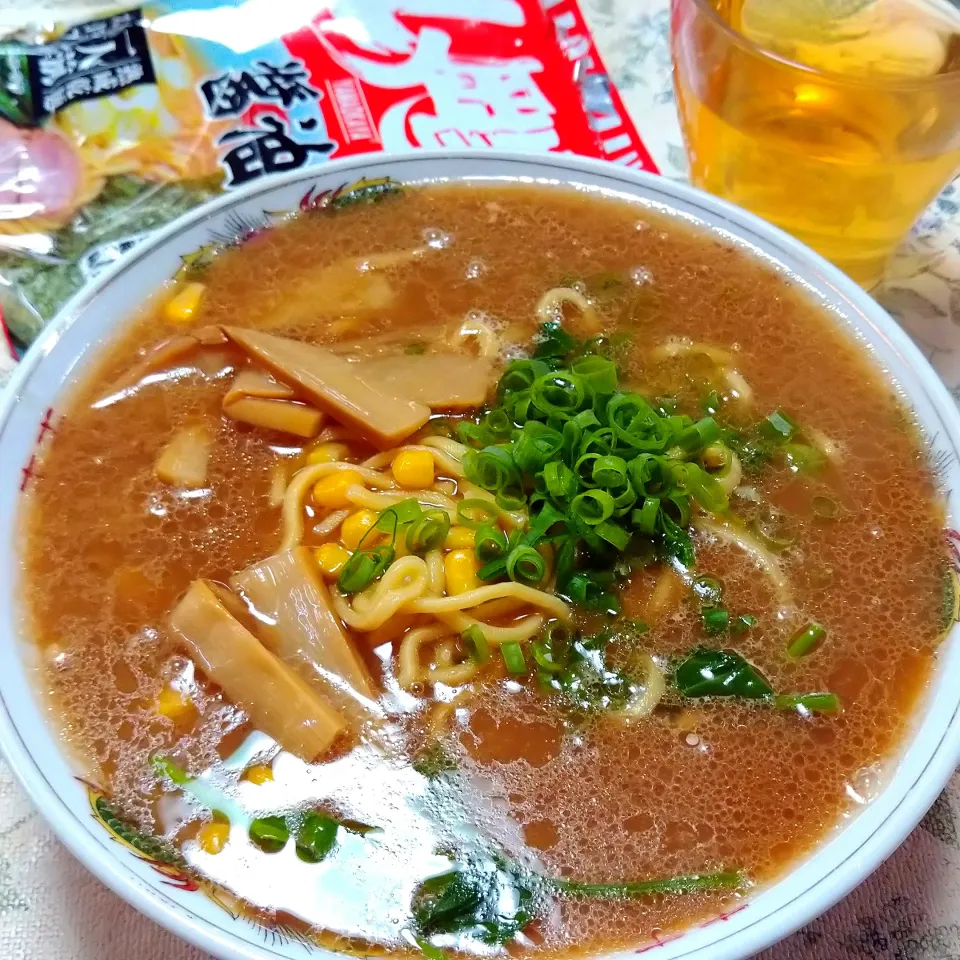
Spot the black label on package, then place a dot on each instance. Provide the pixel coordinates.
(93, 59)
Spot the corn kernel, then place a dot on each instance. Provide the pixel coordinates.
(413, 469)
(259, 773)
(459, 538)
(328, 452)
(330, 559)
(331, 491)
(460, 568)
(183, 304)
(213, 836)
(173, 704)
(356, 527)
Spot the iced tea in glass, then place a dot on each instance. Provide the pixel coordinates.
(837, 120)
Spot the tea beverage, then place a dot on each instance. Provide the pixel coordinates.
(837, 120)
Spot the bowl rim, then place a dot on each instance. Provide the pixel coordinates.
(739, 942)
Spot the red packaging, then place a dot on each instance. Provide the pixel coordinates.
(130, 119)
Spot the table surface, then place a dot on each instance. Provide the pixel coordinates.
(51, 908)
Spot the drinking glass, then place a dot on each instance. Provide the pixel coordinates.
(842, 144)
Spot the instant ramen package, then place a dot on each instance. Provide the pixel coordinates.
(112, 127)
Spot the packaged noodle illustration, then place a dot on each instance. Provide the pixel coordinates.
(113, 127)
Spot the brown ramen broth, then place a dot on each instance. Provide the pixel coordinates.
(566, 744)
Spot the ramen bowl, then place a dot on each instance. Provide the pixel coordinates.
(78, 810)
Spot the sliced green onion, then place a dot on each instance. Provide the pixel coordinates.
(601, 441)
(610, 472)
(525, 565)
(406, 511)
(521, 374)
(474, 434)
(583, 468)
(492, 468)
(647, 473)
(700, 435)
(645, 518)
(536, 446)
(599, 374)
(510, 499)
(706, 490)
(429, 531)
(743, 623)
(807, 639)
(270, 834)
(717, 458)
(772, 536)
(498, 423)
(363, 567)
(560, 480)
(636, 423)
(681, 509)
(475, 641)
(715, 620)
(711, 402)
(802, 458)
(559, 394)
(614, 534)
(592, 507)
(476, 513)
(552, 648)
(542, 522)
(825, 508)
(493, 570)
(778, 427)
(811, 702)
(316, 837)
(490, 543)
(708, 590)
(513, 658)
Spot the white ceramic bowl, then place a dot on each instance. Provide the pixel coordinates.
(29, 407)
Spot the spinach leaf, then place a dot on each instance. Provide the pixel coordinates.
(720, 673)
(552, 342)
(676, 543)
(487, 899)
(492, 899)
(588, 684)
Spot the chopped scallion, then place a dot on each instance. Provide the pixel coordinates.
(490, 543)
(809, 702)
(270, 834)
(525, 565)
(715, 620)
(592, 507)
(428, 531)
(513, 658)
(316, 837)
(363, 567)
(475, 641)
(708, 590)
(476, 513)
(778, 427)
(806, 640)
